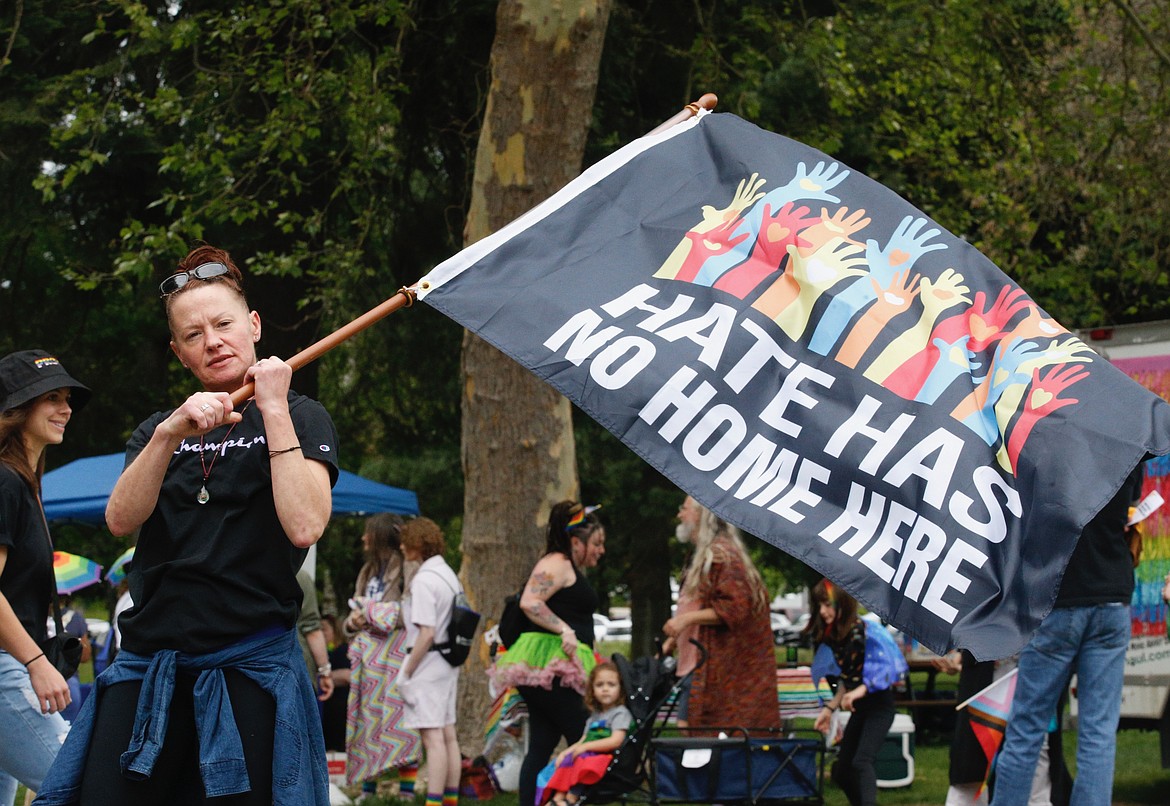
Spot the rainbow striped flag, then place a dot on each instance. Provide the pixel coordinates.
(989, 711)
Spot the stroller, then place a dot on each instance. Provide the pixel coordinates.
(652, 692)
(735, 767)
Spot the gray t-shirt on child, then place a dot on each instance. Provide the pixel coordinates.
(616, 718)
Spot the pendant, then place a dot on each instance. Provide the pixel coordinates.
(203, 496)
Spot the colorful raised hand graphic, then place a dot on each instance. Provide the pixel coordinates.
(1044, 400)
(702, 246)
(977, 410)
(906, 246)
(1037, 325)
(1066, 351)
(1014, 368)
(777, 232)
(813, 185)
(912, 377)
(790, 299)
(747, 193)
(936, 296)
(953, 360)
(890, 300)
(808, 185)
(987, 324)
(839, 224)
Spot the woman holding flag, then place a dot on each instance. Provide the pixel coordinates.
(209, 696)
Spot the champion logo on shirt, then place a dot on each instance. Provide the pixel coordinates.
(221, 447)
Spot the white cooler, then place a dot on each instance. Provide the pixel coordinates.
(895, 759)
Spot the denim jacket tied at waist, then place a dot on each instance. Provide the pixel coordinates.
(299, 774)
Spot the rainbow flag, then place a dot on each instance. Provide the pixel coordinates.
(507, 709)
(989, 711)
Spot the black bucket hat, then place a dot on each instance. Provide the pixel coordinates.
(28, 374)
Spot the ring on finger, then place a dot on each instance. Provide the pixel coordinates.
(205, 407)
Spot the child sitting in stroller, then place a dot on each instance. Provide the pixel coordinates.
(585, 761)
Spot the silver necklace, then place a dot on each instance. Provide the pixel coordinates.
(203, 496)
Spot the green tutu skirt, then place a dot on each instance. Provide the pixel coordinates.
(536, 659)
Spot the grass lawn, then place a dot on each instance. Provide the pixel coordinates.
(1139, 778)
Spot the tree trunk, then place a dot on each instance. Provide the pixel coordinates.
(519, 456)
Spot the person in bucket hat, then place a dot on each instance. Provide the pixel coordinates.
(37, 399)
(29, 374)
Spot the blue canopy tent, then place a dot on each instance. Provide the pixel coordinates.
(79, 490)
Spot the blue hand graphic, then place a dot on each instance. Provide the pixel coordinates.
(906, 240)
(906, 245)
(947, 368)
(1005, 371)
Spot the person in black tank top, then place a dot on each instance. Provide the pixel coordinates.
(549, 666)
(576, 604)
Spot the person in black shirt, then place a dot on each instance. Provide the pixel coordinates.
(836, 624)
(549, 664)
(226, 501)
(37, 399)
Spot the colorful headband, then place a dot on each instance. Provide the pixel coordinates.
(575, 520)
(578, 518)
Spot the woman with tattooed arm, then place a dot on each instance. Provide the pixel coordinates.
(550, 664)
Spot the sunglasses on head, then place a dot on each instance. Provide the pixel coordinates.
(204, 271)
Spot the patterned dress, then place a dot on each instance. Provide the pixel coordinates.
(736, 687)
(375, 738)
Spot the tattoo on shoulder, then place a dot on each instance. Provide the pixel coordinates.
(541, 584)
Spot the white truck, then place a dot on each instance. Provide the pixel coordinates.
(1142, 351)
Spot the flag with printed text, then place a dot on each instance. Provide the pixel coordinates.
(823, 365)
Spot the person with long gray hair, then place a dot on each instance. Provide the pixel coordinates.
(723, 604)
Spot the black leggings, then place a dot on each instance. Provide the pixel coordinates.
(551, 715)
(176, 778)
(864, 733)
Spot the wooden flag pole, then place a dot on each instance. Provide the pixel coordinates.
(706, 101)
(407, 295)
(403, 299)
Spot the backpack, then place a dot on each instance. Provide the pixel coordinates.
(884, 663)
(460, 629)
(513, 622)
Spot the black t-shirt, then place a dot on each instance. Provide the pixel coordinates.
(27, 582)
(1100, 570)
(207, 575)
